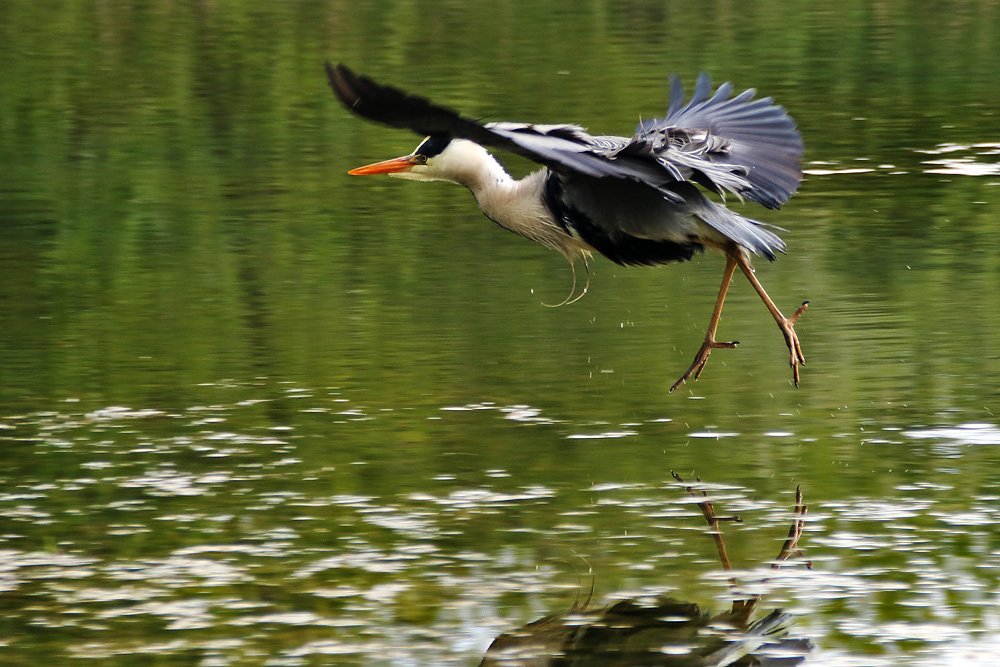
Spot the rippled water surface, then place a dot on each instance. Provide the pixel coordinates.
(256, 412)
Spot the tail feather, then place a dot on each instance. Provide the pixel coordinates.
(751, 234)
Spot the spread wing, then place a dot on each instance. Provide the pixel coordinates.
(562, 148)
(749, 148)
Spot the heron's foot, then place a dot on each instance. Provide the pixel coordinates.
(701, 359)
(787, 327)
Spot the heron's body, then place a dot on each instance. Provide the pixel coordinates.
(570, 214)
(637, 201)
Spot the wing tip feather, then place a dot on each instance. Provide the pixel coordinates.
(340, 77)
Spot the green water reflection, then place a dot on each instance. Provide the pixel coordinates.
(361, 439)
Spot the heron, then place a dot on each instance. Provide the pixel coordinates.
(639, 201)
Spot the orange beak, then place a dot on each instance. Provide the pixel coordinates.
(392, 166)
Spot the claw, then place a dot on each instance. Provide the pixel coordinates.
(710, 343)
(700, 359)
(786, 324)
(737, 257)
(792, 340)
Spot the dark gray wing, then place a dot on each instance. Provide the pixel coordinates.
(749, 147)
(562, 148)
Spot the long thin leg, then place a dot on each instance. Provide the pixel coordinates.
(743, 608)
(709, 344)
(790, 547)
(786, 324)
(708, 511)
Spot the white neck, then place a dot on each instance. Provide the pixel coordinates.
(517, 205)
(469, 164)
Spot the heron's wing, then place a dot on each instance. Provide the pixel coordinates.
(562, 148)
(749, 147)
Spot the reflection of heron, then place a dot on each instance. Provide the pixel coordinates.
(633, 200)
(660, 633)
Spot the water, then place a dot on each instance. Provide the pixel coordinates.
(255, 411)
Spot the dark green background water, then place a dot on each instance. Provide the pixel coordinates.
(256, 411)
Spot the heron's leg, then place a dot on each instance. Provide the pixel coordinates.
(790, 547)
(791, 544)
(701, 358)
(713, 519)
(742, 607)
(786, 324)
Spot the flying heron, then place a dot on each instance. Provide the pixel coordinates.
(634, 200)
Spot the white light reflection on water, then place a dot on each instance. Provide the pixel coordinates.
(964, 165)
(947, 643)
(973, 433)
(979, 159)
(518, 413)
(604, 435)
(253, 540)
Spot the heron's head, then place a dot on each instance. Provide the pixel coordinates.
(435, 159)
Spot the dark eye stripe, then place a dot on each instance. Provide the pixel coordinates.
(432, 146)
